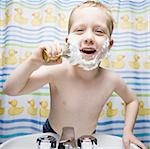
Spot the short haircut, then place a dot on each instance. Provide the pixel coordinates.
(110, 20)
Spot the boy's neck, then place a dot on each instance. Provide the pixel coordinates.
(84, 74)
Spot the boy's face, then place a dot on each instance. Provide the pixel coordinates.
(89, 28)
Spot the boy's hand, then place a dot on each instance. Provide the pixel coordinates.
(130, 138)
(48, 54)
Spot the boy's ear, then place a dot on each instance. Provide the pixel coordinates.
(111, 42)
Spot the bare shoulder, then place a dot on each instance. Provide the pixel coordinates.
(120, 87)
(109, 74)
(112, 77)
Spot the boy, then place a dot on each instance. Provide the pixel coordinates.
(75, 92)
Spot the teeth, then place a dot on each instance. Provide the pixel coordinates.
(88, 49)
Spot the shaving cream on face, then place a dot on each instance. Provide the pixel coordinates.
(76, 57)
(74, 53)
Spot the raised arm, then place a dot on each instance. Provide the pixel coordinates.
(31, 75)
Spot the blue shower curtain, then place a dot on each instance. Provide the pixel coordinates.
(25, 24)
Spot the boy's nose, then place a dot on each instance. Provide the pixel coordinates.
(89, 41)
(89, 38)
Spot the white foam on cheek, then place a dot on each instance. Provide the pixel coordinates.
(75, 54)
(77, 59)
(104, 50)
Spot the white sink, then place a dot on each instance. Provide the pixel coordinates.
(29, 141)
(111, 142)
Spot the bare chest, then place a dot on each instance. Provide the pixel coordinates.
(74, 96)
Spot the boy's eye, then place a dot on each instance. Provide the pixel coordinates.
(99, 32)
(79, 30)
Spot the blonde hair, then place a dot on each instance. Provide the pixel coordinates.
(110, 20)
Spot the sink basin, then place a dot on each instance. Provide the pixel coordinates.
(110, 142)
(29, 141)
(24, 142)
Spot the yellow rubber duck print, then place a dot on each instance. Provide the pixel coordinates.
(32, 110)
(14, 110)
(110, 111)
(12, 58)
(44, 111)
(135, 64)
(118, 63)
(125, 23)
(19, 18)
(147, 63)
(140, 23)
(6, 19)
(1, 108)
(105, 63)
(142, 110)
(62, 20)
(37, 19)
(49, 17)
(2, 59)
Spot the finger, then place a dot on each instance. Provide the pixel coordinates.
(140, 145)
(54, 53)
(53, 61)
(50, 53)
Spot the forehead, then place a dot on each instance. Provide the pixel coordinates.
(89, 15)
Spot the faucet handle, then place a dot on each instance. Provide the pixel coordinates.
(86, 142)
(46, 142)
(67, 144)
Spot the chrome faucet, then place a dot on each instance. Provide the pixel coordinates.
(67, 140)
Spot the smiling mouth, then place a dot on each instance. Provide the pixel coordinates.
(88, 51)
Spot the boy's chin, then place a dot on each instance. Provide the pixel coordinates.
(90, 64)
(89, 67)
(88, 57)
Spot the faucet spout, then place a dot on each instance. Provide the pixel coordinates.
(67, 140)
